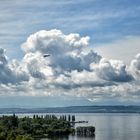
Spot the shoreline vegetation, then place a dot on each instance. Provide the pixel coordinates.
(37, 127)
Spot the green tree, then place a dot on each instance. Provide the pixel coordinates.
(73, 118)
(2, 136)
(11, 136)
(69, 118)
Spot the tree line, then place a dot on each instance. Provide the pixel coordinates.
(26, 128)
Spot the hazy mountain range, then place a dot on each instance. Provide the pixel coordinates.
(74, 109)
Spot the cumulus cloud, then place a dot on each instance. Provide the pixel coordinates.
(66, 51)
(135, 66)
(71, 68)
(12, 73)
(112, 70)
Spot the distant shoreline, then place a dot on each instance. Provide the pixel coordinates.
(73, 109)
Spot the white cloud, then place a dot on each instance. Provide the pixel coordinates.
(66, 51)
(112, 70)
(72, 68)
(11, 73)
(135, 66)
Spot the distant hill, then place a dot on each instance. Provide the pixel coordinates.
(75, 109)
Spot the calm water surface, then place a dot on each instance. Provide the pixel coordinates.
(109, 126)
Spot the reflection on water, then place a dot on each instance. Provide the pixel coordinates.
(71, 137)
(57, 138)
(76, 137)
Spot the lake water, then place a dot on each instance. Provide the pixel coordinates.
(112, 126)
(109, 126)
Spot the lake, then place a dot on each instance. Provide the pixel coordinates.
(109, 126)
(113, 126)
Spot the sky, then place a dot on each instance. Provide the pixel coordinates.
(93, 47)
